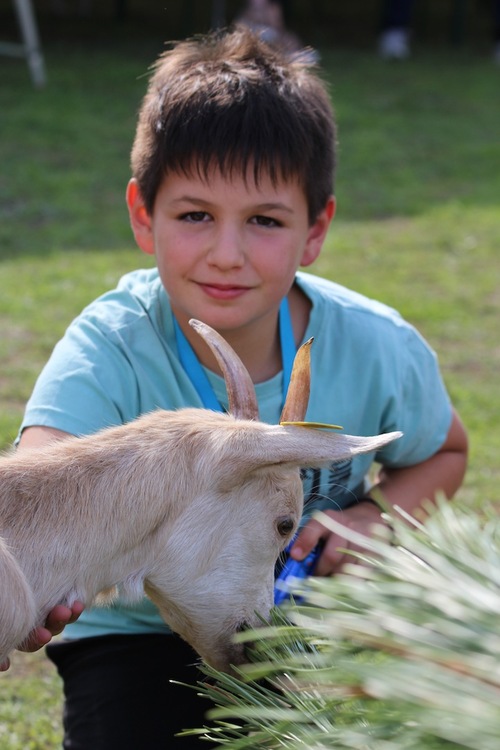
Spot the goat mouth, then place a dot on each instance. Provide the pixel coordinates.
(233, 657)
(228, 652)
(243, 626)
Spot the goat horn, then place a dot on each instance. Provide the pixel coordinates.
(297, 396)
(240, 388)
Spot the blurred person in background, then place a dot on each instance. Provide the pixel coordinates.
(395, 36)
(394, 39)
(267, 19)
(496, 16)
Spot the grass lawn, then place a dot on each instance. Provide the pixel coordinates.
(418, 227)
(30, 704)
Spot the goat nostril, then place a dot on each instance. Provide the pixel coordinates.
(242, 626)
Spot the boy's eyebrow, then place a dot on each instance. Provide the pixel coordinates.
(268, 206)
(274, 206)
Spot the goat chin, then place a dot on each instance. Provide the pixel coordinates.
(225, 657)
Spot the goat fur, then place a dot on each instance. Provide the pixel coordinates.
(186, 506)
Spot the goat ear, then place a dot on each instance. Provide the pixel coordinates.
(306, 447)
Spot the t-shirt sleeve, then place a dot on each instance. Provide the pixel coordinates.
(418, 403)
(86, 385)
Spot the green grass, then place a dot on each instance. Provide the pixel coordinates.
(30, 704)
(417, 227)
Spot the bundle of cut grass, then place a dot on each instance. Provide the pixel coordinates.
(402, 653)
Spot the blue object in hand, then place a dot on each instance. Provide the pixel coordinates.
(293, 569)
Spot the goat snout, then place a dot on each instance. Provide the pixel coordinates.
(242, 626)
(226, 656)
(228, 652)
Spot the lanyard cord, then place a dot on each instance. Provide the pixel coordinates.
(198, 377)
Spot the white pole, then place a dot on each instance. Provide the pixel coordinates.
(31, 41)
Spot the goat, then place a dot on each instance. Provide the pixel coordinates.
(191, 507)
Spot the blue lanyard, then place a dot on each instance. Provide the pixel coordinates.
(197, 375)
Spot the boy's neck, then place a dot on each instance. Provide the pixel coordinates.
(258, 345)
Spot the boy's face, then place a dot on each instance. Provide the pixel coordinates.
(227, 250)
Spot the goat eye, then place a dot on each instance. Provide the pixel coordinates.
(285, 525)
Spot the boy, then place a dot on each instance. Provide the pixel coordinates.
(233, 164)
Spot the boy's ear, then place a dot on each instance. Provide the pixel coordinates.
(317, 233)
(140, 219)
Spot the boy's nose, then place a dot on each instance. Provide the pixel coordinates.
(226, 249)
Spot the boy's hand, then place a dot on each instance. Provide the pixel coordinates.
(56, 621)
(406, 487)
(361, 518)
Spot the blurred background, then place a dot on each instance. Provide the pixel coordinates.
(319, 22)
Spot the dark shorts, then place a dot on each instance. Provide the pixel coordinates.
(118, 693)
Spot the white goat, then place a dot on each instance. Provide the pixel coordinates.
(191, 506)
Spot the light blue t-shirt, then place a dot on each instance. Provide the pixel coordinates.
(371, 372)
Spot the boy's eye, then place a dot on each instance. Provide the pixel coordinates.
(195, 216)
(265, 221)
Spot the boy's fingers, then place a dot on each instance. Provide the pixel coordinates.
(38, 638)
(57, 619)
(308, 539)
(76, 611)
(332, 556)
(4, 665)
(60, 616)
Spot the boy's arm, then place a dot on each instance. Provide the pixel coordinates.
(406, 487)
(37, 437)
(60, 616)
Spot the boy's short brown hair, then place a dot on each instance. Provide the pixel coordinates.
(229, 100)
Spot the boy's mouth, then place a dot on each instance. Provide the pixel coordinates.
(223, 291)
